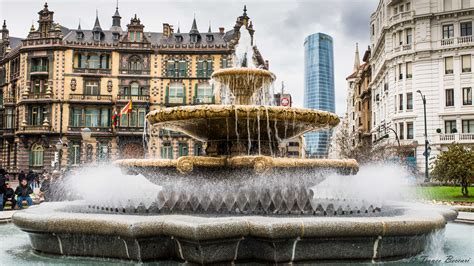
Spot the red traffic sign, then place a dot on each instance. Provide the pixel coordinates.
(285, 102)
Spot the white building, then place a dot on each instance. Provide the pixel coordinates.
(424, 45)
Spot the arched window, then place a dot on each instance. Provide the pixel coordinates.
(37, 155)
(135, 63)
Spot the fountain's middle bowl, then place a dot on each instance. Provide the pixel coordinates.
(244, 123)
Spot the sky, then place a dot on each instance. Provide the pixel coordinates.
(281, 27)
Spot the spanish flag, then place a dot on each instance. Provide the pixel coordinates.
(126, 109)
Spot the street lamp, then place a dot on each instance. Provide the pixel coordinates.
(86, 134)
(426, 153)
(59, 148)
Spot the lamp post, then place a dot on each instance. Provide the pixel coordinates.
(426, 153)
(86, 134)
(59, 148)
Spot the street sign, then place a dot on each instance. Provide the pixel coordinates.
(285, 101)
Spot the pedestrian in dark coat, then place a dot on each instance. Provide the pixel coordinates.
(9, 195)
(31, 176)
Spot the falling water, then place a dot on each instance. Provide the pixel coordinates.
(248, 133)
(269, 131)
(258, 132)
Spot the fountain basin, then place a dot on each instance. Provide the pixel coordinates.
(211, 239)
(242, 123)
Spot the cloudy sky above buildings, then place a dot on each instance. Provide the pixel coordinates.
(281, 27)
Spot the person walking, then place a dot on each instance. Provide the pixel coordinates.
(23, 192)
(46, 188)
(3, 180)
(9, 195)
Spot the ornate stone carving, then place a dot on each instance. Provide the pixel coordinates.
(109, 86)
(73, 84)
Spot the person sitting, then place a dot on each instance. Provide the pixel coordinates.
(23, 191)
(21, 176)
(3, 180)
(9, 195)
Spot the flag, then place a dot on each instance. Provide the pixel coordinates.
(126, 109)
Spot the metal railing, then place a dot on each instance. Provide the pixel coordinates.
(39, 68)
(36, 128)
(204, 100)
(143, 98)
(86, 97)
(174, 100)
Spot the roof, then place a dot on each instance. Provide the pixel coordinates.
(354, 75)
(15, 42)
(155, 38)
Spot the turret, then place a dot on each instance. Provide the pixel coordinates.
(194, 32)
(97, 32)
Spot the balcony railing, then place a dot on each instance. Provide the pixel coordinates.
(92, 70)
(204, 100)
(406, 47)
(457, 137)
(139, 98)
(9, 100)
(39, 68)
(459, 40)
(135, 72)
(174, 100)
(402, 16)
(93, 129)
(35, 96)
(86, 97)
(36, 129)
(170, 133)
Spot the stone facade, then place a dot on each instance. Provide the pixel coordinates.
(359, 112)
(58, 81)
(424, 45)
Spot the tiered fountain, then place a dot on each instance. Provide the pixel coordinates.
(240, 202)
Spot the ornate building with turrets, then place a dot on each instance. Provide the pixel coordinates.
(58, 81)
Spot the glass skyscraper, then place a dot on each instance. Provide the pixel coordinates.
(319, 87)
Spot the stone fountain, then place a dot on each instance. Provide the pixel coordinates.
(240, 202)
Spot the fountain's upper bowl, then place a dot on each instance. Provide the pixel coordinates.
(245, 122)
(243, 82)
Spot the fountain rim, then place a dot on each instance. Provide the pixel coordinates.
(260, 164)
(52, 218)
(290, 114)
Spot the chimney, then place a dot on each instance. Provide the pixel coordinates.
(166, 30)
(221, 30)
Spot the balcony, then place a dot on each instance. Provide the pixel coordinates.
(92, 70)
(171, 134)
(35, 129)
(93, 129)
(134, 72)
(456, 137)
(134, 98)
(463, 40)
(204, 100)
(402, 16)
(39, 69)
(81, 98)
(9, 101)
(137, 131)
(36, 97)
(175, 101)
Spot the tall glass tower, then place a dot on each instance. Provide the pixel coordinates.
(319, 87)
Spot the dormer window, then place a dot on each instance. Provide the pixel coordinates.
(194, 38)
(210, 38)
(135, 36)
(115, 36)
(97, 36)
(179, 38)
(79, 35)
